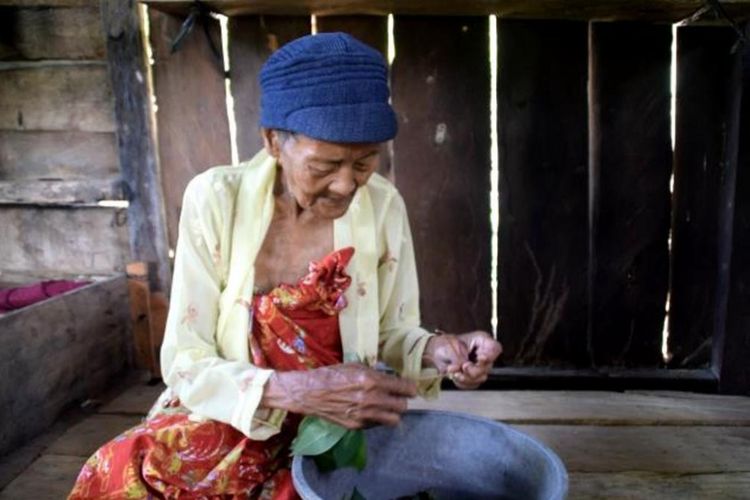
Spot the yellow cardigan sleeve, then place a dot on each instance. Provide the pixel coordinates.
(402, 339)
(207, 384)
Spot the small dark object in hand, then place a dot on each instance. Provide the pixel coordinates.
(473, 354)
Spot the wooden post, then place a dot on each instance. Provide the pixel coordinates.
(708, 93)
(731, 345)
(631, 163)
(138, 165)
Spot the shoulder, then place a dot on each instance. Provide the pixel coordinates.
(386, 200)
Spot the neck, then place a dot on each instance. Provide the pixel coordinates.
(286, 204)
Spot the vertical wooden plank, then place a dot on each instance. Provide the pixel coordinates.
(703, 186)
(731, 345)
(192, 110)
(372, 30)
(251, 40)
(127, 69)
(543, 157)
(441, 92)
(631, 163)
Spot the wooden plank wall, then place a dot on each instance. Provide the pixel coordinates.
(585, 166)
(630, 98)
(191, 114)
(57, 126)
(706, 99)
(441, 163)
(543, 157)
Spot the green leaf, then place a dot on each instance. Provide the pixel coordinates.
(325, 461)
(351, 450)
(316, 436)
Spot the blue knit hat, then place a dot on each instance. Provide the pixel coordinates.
(330, 87)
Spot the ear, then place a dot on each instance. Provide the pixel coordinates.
(271, 142)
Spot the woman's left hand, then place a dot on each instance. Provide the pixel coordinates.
(466, 358)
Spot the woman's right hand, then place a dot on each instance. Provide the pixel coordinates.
(351, 394)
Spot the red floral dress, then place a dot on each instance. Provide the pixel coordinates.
(295, 327)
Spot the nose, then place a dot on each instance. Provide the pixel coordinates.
(344, 184)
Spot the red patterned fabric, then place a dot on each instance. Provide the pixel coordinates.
(174, 456)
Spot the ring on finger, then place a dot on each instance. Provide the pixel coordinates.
(348, 412)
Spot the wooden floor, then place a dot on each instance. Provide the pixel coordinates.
(615, 445)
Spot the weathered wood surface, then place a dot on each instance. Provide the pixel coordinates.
(60, 193)
(57, 97)
(251, 40)
(136, 400)
(731, 350)
(84, 438)
(596, 407)
(49, 3)
(441, 163)
(631, 160)
(640, 485)
(57, 155)
(543, 158)
(192, 110)
(50, 240)
(49, 477)
(372, 30)
(136, 149)
(60, 351)
(687, 450)
(655, 10)
(707, 97)
(140, 317)
(69, 33)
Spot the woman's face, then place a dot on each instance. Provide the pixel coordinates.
(323, 176)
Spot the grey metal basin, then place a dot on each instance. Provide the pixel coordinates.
(452, 455)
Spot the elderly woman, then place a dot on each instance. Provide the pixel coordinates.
(294, 275)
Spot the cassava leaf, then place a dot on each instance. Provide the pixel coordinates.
(316, 436)
(351, 450)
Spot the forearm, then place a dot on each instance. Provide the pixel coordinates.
(280, 392)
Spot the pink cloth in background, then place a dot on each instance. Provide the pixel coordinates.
(22, 296)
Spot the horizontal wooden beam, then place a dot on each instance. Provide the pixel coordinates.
(698, 380)
(654, 10)
(60, 192)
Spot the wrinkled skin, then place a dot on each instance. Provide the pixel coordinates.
(316, 184)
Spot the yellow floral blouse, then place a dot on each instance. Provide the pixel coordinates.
(226, 212)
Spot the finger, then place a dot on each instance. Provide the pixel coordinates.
(475, 371)
(396, 386)
(382, 417)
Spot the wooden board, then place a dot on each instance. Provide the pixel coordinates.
(631, 159)
(81, 339)
(73, 33)
(707, 96)
(137, 400)
(441, 163)
(135, 139)
(543, 161)
(192, 109)
(51, 476)
(251, 40)
(60, 193)
(731, 349)
(372, 30)
(57, 155)
(650, 449)
(86, 437)
(663, 10)
(51, 240)
(596, 407)
(75, 96)
(638, 485)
